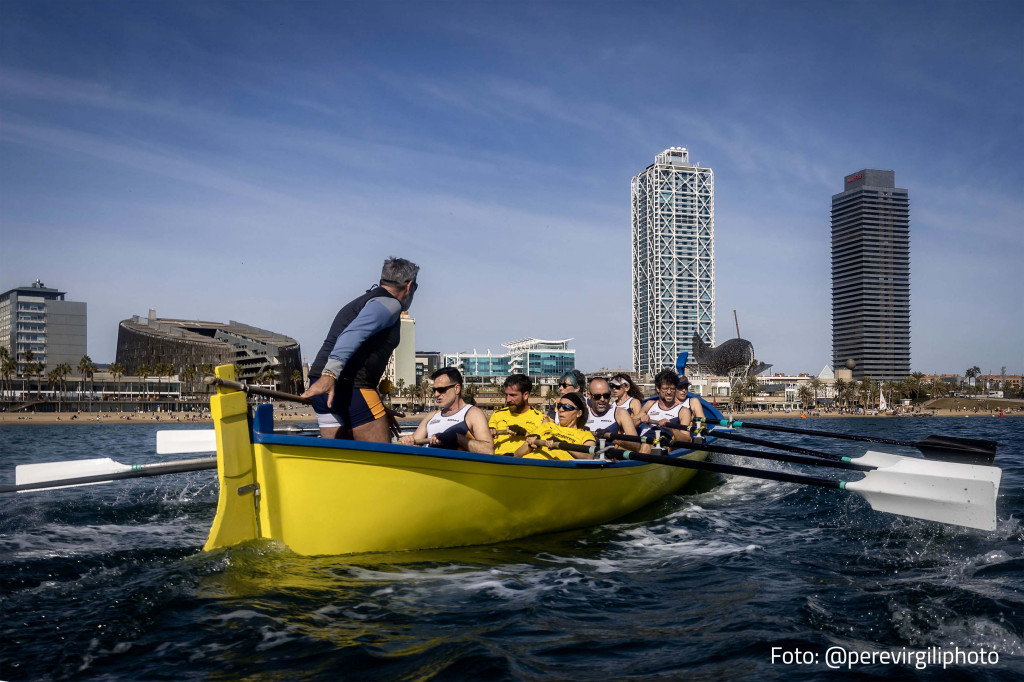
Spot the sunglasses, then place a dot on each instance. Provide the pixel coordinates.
(686, 385)
(566, 384)
(444, 389)
(600, 396)
(566, 407)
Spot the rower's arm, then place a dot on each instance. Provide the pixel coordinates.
(482, 443)
(419, 434)
(377, 315)
(625, 421)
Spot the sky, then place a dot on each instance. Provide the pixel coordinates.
(257, 161)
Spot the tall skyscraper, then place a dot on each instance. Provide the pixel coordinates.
(871, 276)
(673, 229)
(38, 319)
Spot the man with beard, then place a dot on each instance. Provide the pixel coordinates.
(517, 412)
(606, 420)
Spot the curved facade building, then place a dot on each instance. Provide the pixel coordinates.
(150, 341)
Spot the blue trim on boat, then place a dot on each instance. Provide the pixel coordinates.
(263, 433)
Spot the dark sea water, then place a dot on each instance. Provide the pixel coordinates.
(109, 582)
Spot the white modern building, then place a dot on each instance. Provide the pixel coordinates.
(402, 363)
(673, 234)
(542, 360)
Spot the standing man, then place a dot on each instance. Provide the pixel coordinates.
(345, 374)
(517, 412)
(456, 425)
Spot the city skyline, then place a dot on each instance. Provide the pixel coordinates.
(259, 163)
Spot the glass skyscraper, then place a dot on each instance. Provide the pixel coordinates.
(673, 231)
(871, 276)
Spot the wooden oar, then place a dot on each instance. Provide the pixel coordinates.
(949, 493)
(102, 470)
(392, 415)
(944, 448)
(256, 390)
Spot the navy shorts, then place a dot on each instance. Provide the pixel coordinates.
(352, 407)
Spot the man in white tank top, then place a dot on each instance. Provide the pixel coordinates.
(606, 417)
(457, 425)
(664, 412)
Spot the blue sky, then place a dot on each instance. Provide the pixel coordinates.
(258, 161)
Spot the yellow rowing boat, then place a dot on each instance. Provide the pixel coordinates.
(322, 496)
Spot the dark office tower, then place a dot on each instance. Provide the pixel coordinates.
(871, 276)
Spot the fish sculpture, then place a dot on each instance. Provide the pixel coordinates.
(735, 356)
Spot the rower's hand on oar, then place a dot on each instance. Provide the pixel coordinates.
(324, 384)
(516, 430)
(407, 440)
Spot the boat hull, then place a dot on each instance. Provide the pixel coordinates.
(339, 497)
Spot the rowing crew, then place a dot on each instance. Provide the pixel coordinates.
(520, 430)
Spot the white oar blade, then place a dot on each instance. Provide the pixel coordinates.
(59, 471)
(958, 494)
(884, 460)
(178, 441)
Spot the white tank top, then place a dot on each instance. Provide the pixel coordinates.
(605, 421)
(656, 414)
(625, 404)
(439, 424)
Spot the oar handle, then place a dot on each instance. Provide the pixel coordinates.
(138, 471)
(256, 390)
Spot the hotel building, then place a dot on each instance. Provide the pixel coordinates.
(38, 319)
(871, 276)
(543, 361)
(673, 236)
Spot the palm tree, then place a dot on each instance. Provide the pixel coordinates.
(117, 370)
(143, 371)
(972, 373)
(63, 370)
(8, 367)
(38, 368)
(840, 388)
(28, 358)
(297, 380)
(815, 388)
(270, 375)
(806, 395)
(86, 369)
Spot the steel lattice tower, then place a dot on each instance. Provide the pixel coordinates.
(673, 230)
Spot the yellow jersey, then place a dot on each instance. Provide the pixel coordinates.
(529, 419)
(568, 434)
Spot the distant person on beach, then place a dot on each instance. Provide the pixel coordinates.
(456, 425)
(355, 353)
(517, 412)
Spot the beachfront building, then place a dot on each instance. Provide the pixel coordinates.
(402, 363)
(673, 236)
(259, 355)
(543, 361)
(38, 325)
(871, 276)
